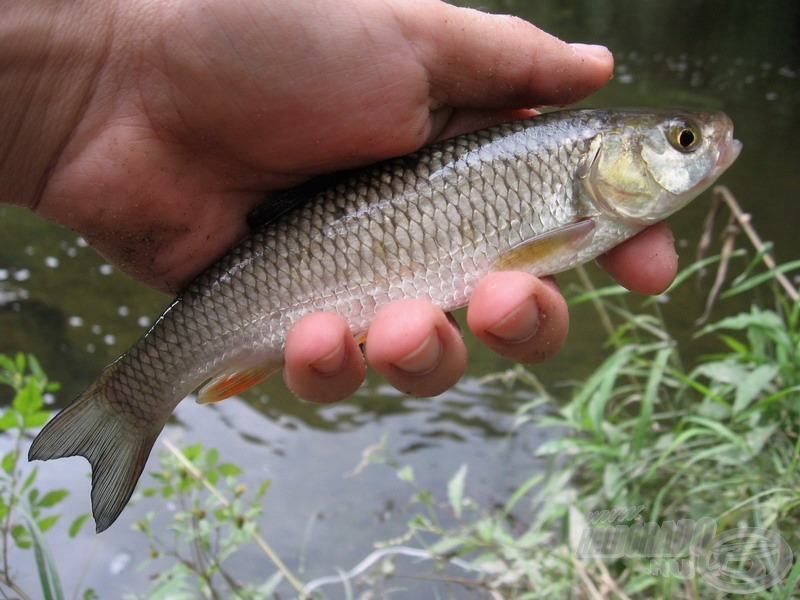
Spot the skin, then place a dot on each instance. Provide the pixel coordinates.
(152, 127)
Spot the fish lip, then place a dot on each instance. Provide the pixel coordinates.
(729, 153)
(728, 150)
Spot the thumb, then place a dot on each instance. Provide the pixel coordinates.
(479, 60)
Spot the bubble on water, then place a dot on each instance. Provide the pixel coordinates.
(785, 71)
(48, 399)
(96, 329)
(4, 274)
(109, 339)
(143, 321)
(29, 250)
(81, 243)
(106, 269)
(123, 311)
(90, 348)
(51, 261)
(624, 78)
(766, 66)
(770, 96)
(75, 321)
(72, 251)
(22, 275)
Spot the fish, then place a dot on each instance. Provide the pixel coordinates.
(543, 195)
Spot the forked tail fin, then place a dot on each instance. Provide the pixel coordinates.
(117, 450)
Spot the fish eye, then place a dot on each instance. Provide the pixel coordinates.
(683, 136)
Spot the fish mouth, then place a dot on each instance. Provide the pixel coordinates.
(729, 152)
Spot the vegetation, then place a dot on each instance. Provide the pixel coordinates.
(692, 462)
(27, 513)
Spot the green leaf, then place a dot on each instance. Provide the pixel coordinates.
(28, 399)
(229, 469)
(52, 498)
(406, 474)
(35, 419)
(20, 362)
(262, 489)
(8, 462)
(20, 535)
(9, 420)
(29, 480)
(47, 522)
(455, 490)
(753, 384)
(76, 525)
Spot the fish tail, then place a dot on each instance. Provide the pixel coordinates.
(115, 447)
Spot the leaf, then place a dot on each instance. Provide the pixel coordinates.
(29, 480)
(722, 371)
(8, 420)
(28, 399)
(262, 489)
(47, 522)
(76, 525)
(455, 490)
(611, 481)
(8, 462)
(752, 385)
(52, 498)
(21, 536)
(406, 474)
(35, 419)
(229, 469)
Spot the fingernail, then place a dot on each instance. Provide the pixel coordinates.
(424, 359)
(519, 325)
(331, 363)
(593, 50)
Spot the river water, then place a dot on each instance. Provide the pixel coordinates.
(61, 302)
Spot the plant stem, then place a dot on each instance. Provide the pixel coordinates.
(271, 554)
(744, 221)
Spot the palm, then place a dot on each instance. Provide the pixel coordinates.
(219, 105)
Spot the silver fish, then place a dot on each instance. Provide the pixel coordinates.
(543, 195)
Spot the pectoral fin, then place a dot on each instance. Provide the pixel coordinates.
(538, 247)
(231, 383)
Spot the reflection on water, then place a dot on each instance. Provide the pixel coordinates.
(65, 304)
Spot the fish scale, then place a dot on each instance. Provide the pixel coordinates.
(428, 225)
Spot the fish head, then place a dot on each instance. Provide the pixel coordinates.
(646, 165)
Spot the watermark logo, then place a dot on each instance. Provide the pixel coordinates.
(737, 561)
(746, 560)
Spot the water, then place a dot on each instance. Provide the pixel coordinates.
(63, 303)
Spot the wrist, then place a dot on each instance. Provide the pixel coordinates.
(51, 54)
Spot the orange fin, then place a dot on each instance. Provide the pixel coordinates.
(539, 246)
(231, 383)
(361, 338)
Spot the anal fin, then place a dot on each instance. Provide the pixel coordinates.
(231, 383)
(539, 247)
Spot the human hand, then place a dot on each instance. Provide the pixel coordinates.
(179, 115)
